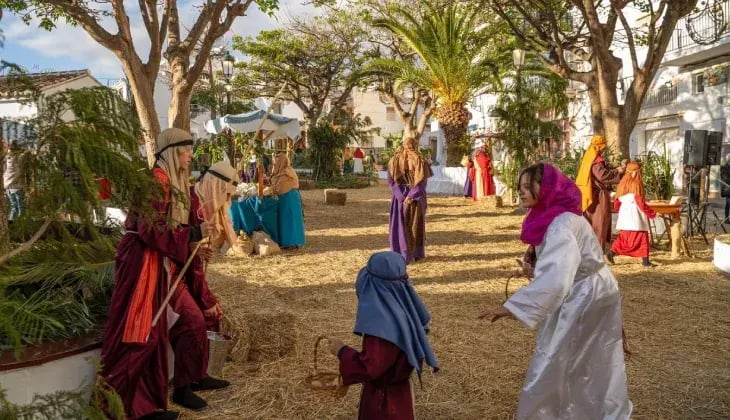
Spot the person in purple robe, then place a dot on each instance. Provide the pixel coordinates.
(470, 177)
(408, 172)
(393, 322)
(134, 352)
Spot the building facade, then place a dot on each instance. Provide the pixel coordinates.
(690, 92)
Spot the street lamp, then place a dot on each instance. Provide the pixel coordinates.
(228, 62)
(518, 58)
(227, 65)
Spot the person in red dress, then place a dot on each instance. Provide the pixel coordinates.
(393, 322)
(134, 352)
(633, 217)
(483, 182)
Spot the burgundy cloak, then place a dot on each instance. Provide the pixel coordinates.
(384, 372)
(138, 372)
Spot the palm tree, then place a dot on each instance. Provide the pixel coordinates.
(452, 62)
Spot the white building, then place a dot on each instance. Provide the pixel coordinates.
(15, 107)
(690, 92)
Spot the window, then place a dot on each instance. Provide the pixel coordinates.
(698, 83)
(390, 113)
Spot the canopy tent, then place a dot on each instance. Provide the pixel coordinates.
(251, 122)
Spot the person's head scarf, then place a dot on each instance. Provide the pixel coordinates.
(389, 308)
(214, 188)
(408, 166)
(168, 148)
(631, 181)
(283, 176)
(558, 194)
(583, 180)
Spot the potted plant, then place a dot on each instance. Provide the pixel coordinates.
(658, 174)
(715, 75)
(57, 258)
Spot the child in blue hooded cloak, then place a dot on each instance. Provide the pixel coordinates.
(393, 322)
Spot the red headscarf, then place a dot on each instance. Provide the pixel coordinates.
(558, 194)
(631, 182)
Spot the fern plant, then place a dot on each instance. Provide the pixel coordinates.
(56, 279)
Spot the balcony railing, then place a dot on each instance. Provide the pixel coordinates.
(665, 95)
(705, 26)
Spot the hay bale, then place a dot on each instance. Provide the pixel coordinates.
(238, 330)
(335, 197)
(307, 184)
(270, 336)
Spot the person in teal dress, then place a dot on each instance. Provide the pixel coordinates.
(285, 184)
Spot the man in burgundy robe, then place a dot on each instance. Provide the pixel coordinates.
(595, 180)
(134, 352)
(599, 212)
(393, 322)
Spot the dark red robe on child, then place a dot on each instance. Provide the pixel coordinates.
(384, 372)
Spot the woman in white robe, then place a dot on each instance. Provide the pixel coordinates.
(578, 370)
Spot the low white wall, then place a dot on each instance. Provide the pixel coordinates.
(66, 374)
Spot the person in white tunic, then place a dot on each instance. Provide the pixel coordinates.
(578, 370)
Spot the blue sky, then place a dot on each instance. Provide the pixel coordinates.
(70, 48)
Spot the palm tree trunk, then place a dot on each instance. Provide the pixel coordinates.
(453, 120)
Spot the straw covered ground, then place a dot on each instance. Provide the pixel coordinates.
(676, 317)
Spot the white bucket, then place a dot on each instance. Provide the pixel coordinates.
(218, 347)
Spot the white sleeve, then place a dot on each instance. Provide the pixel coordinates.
(554, 275)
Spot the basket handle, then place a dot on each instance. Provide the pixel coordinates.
(316, 346)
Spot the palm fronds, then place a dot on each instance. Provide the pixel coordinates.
(450, 43)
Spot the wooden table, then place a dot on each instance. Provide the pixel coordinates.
(670, 214)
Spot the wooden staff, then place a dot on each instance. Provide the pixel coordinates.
(177, 281)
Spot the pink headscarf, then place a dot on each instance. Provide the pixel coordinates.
(558, 194)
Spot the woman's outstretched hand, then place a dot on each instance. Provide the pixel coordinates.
(495, 314)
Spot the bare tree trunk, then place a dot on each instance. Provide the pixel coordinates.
(596, 113)
(610, 109)
(143, 87)
(179, 110)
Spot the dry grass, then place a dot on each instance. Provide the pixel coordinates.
(676, 316)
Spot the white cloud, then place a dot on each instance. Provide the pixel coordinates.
(76, 49)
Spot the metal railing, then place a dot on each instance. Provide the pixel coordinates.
(705, 26)
(664, 95)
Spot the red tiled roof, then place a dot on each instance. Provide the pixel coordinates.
(10, 85)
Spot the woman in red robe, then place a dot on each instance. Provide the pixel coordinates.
(483, 182)
(393, 322)
(633, 215)
(134, 352)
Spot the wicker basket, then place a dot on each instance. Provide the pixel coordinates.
(218, 347)
(325, 384)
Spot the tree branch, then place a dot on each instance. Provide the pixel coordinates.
(26, 245)
(88, 22)
(629, 36)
